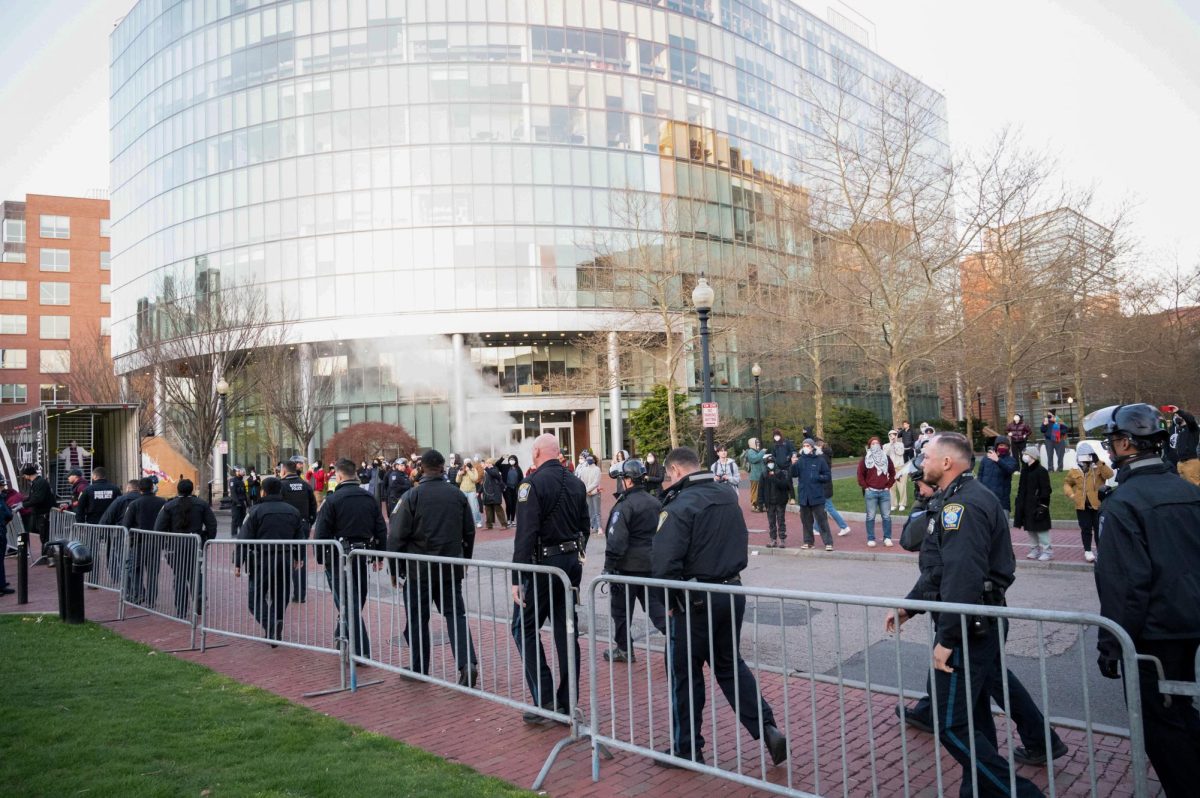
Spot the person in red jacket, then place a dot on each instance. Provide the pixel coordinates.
(876, 475)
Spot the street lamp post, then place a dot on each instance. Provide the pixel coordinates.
(223, 446)
(702, 297)
(756, 372)
(1070, 417)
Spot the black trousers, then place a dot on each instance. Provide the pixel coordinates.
(268, 592)
(777, 521)
(1018, 449)
(1172, 733)
(815, 513)
(510, 503)
(1089, 522)
(953, 698)
(146, 558)
(541, 593)
(442, 585)
(183, 563)
(114, 542)
(356, 600)
(237, 514)
(298, 575)
(621, 602)
(39, 522)
(690, 648)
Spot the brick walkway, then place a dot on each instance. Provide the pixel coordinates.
(492, 738)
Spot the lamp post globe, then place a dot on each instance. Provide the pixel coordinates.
(756, 372)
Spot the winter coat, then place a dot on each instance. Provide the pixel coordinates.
(1032, 511)
(775, 487)
(468, 479)
(754, 463)
(1018, 432)
(1079, 486)
(812, 472)
(493, 486)
(895, 451)
(828, 455)
(782, 451)
(997, 477)
(870, 479)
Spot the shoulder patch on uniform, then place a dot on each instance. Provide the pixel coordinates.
(952, 517)
(662, 519)
(523, 492)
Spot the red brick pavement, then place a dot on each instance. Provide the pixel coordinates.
(492, 738)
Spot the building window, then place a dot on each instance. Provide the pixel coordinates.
(14, 289)
(106, 228)
(13, 394)
(55, 361)
(12, 359)
(14, 231)
(56, 260)
(105, 260)
(106, 293)
(13, 325)
(56, 226)
(56, 327)
(55, 394)
(13, 257)
(55, 293)
(105, 325)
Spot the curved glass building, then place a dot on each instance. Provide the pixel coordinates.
(395, 172)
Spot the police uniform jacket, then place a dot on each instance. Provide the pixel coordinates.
(551, 510)
(194, 517)
(114, 515)
(237, 491)
(1148, 559)
(143, 511)
(351, 514)
(271, 519)
(300, 495)
(969, 538)
(702, 533)
(96, 499)
(433, 518)
(916, 536)
(631, 527)
(398, 484)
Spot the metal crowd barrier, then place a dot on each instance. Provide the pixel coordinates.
(399, 593)
(110, 548)
(61, 522)
(14, 529)
(632, 708)
(174, 593)
(250, 587)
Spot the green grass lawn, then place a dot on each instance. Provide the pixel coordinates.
(848, 496)
(86, 712)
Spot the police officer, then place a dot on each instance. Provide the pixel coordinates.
(552, 528)
(398, 483)
(145, 551)
(1146, 567)
(974, 565)
(269, 565)
(702, 537)
(299, 494)
(185, 514)
(350, 516)
(238, 499)
(94, 502)
(435, 518)
(631, 527)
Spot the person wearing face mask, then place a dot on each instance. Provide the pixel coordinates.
(654, 475)
(894, 449)
(1083, 485)
(781, 448)
(876, 475)
(1032, 511)
(589, 474)
(1182, 451)
(1018, 433)
(512, 478)
(1055, 434)
(996, 470)
(774, 488)
(754, 464)
(614, 471)
(811, 472)
(1147, 558)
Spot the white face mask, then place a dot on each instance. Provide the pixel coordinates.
(808, 450)
(1016, 419)
(778, 439)
(650, 459)
(771, 466)
(1029, 459)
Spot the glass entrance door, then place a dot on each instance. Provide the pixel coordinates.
(565, 433)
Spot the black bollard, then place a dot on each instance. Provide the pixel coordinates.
(23, 568)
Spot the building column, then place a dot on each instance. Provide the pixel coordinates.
(123, 388)
(616, 429)
(160, 403)
(458, 399)
(305, 375)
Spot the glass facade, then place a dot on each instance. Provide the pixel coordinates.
(455, 164)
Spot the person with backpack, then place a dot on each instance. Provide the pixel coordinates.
(186, 514)
(1055, 434)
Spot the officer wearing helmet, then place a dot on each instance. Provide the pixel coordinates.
(631, 527)
(614, 470)
(1147, 567)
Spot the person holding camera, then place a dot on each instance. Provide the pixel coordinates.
(1032, 511)
(1055, 434)
(1085, 485)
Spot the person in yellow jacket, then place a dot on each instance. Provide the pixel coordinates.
(1083, 485)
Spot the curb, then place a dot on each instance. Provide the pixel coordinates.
(871, 556)
(851, 515)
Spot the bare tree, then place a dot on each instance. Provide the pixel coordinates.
(294, 393)
(92, 379)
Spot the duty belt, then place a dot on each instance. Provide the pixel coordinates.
(732, 580)
(347, 543)
(560, 548)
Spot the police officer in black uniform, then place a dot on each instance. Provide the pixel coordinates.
(351, 516)
(631, 527)
(270, 564)
(1146, 574)
(398, 483)
(237, 500)
(552, 529)
(299, 494)
(94, 502)
(435, 518)
(702, 537)
(186, 514)
(975, 566)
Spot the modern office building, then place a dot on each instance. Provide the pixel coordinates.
(432, 193)
(54, 294)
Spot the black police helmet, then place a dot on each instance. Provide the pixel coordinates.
(634, 470)
(915, 468)
(1141, 422)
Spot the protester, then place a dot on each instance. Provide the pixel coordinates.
(775, 488)
(876, 475)
(754, 464)
(996, 470)
(468, 479)
(589, 474)
(1182, 450)
(908, 437)
(654, 475)
(1018, 433)
(1085, 485)
(894, 449)
(781, 448)
(726, 470)
(493, 496)
(1032, 511)
(512, 478)
(811, 472)
(826, 451)
(1054, 432)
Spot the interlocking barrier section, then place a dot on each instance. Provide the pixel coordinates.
(109, 546)
(61, 522)
(642, 707)
(495, 647)
(172, 593)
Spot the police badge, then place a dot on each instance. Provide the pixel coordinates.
(952, 517)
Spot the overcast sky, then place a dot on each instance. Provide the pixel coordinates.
(1111, 86)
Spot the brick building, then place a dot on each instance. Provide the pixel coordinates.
(54, 284)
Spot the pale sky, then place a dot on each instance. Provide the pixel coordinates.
(1111, 86)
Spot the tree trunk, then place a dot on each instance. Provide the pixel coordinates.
(899, 392)
(818, 394)
(1010, 393)
(672, 362)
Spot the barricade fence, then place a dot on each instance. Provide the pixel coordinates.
(653, 704)
(109, 546)
(61, 522)
(493, 647)
(172, 593)
(14, 529)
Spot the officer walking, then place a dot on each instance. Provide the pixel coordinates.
(299, 494)
(269, 565)
(145, 551)
(435, 518)
(1146, 567)
(238, 499)
(702, 537)
(186, 514)
(552, 528)
(976, 567)
(94, 502)
(350, 516)
(631, 527)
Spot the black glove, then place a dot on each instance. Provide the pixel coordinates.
(1109, 667)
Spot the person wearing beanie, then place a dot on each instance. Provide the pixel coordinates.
(811, 472)
(996, 470)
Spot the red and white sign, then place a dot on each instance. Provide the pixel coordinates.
(223, 447)
(708, 414)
